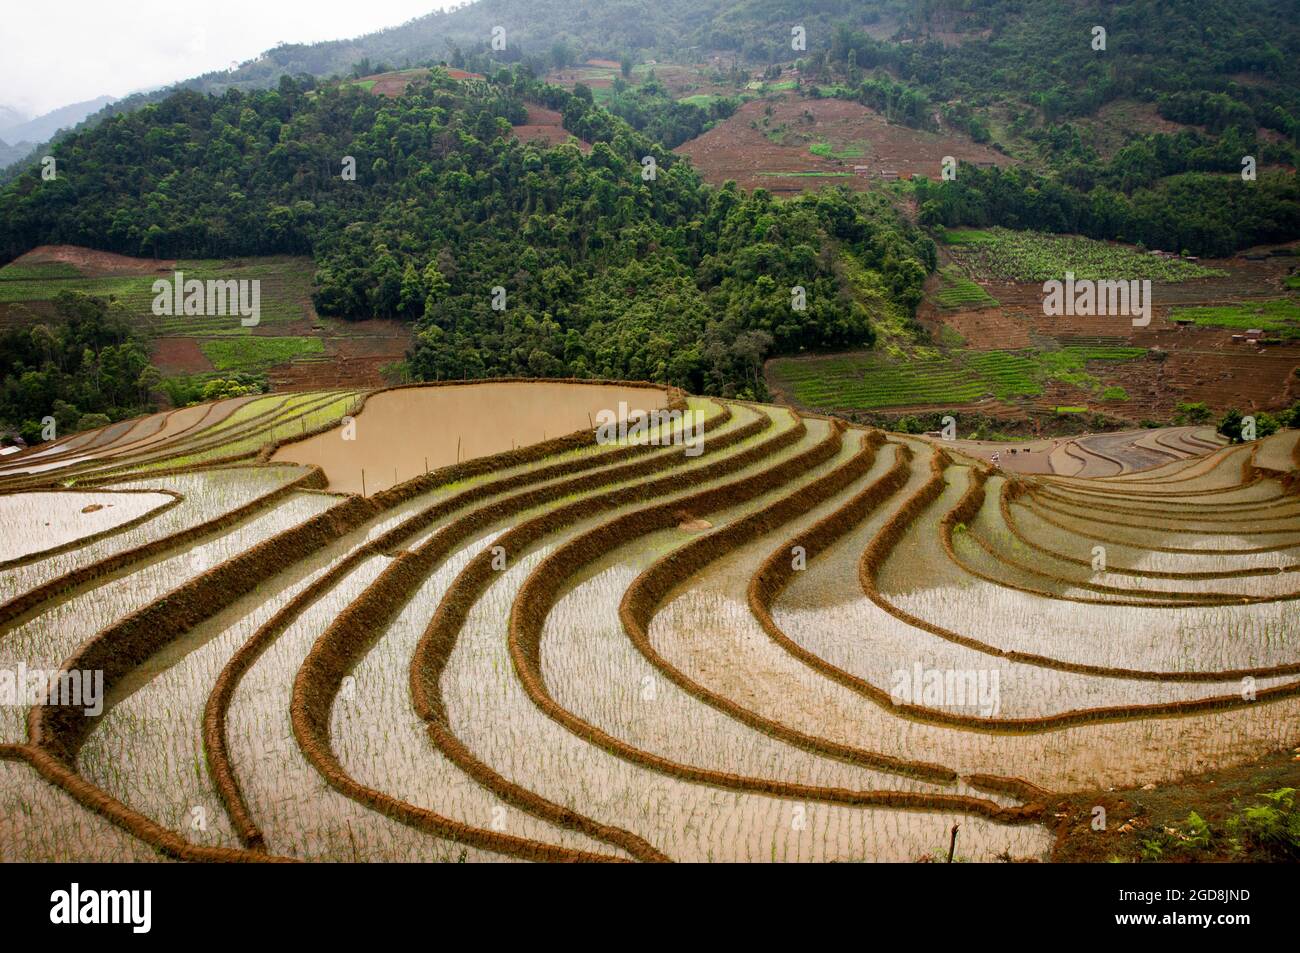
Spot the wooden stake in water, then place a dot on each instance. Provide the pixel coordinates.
(363, 481)
(952, 844)
(458, 448)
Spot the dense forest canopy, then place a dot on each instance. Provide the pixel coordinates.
(86, 367)
(1041, 53)
(1194, 212)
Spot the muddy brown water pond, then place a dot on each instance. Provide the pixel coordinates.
(402, 433)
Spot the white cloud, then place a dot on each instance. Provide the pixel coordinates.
(53, 55)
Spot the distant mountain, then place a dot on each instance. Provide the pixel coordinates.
(44, 127)
(10, 117)
(10, 154)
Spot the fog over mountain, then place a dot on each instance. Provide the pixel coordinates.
(43, 127)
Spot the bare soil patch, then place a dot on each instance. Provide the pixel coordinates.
(394, 84)
(770, 151)
(92, 263)
(1117, 123)
(179, 356)
(546, 126)
(1138, 815)
(356, 353)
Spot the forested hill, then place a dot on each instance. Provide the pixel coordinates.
(1209, 58)
(539, 31)
(958, 48)
(601, 271)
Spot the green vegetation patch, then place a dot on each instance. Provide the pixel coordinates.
(958, 291)
(700, 302)
(950, 337)
(869, 380)
(241, 353)
(1005, 255)
(826, 150)
(286, 284)
(966, 236)
(48, 287)
(1279, 317)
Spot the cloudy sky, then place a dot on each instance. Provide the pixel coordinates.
(52, 55)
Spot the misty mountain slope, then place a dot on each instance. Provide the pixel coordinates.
(10, 154)
(11, 117)
(41, 128)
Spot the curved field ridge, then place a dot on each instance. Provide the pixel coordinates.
(717, 639)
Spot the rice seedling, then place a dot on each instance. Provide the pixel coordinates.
(703, 725)
(33, 522)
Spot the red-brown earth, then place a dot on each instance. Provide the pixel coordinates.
(759, 150)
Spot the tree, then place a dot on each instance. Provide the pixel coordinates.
(1230, 426)
(1195, 413)
(92, 421)
(149, 385)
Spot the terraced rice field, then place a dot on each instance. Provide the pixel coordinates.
(863, 381)
(748, 634)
